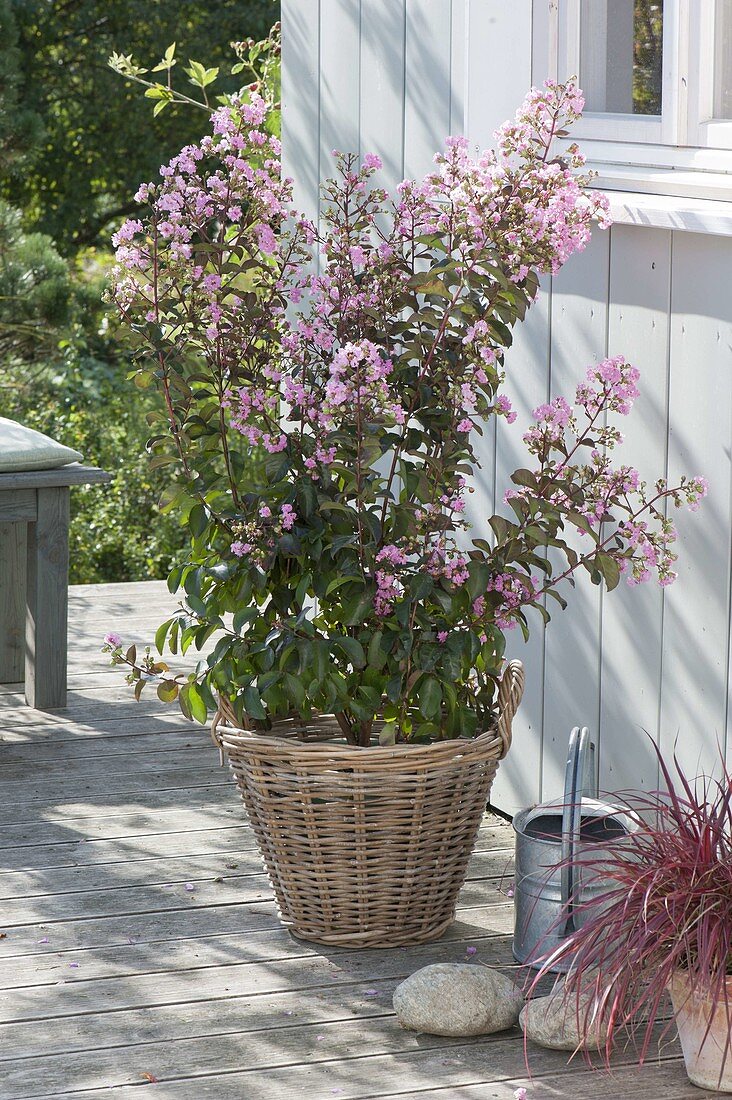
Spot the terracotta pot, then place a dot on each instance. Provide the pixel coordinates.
(703, 1057)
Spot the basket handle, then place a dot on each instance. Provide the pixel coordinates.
(215, 736)
(510, 692)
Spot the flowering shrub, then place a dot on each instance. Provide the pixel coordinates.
(356, 391)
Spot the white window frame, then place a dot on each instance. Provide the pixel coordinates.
(684, 153)
(605, 125)
(703, 129)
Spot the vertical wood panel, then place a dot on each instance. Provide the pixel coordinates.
(572, 665)
(340, 80)
(427, 83)
(12, 602)
(632, 618)
(458, 67)
(499, 64)
(47, 572)
(694, 701)
(382, 86)
(527, 385)
(544, 36)
(301, 101)
(498, 75)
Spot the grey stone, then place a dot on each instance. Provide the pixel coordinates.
(556, 1023)
(457, 999)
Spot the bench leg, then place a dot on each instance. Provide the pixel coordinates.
(12, 602)
(47, 601)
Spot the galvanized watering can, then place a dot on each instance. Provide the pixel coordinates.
(555, 833)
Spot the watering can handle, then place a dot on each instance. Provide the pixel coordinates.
(579, 743)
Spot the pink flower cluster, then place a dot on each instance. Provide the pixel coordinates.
(215, 199)
(611, 387)
(515, 590)
(357, 385)
(552, 420)
(255, 413)
(256, 539)
(593, 490)
(442, 561)
(388, 587)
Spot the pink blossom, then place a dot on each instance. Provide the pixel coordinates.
(241, 549)
(288, 517)
(266, 238)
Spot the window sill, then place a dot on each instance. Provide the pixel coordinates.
(690, 215)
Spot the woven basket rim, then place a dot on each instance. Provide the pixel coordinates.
(227, 736)
(457, 746)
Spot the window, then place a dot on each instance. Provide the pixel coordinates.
(617, 47)
(621, 56)
(657, 78)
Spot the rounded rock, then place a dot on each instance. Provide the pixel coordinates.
(556, 1022)
(456, 1000)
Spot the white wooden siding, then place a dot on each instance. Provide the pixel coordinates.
(393, 77)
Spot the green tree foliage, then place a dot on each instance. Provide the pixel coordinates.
(647, 57)
(63, 371)
(99, 139)
(20, 127)
(75, 141)
(36, 290)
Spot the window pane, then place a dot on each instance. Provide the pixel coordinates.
(723, 60)
(621, 49)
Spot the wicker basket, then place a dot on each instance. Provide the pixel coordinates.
(365, 847)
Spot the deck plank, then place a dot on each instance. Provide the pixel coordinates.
(112, 968)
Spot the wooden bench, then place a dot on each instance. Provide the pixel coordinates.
(34, 579)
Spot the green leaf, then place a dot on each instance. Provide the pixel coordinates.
(276, 466)
(388, 734)
(393, 689)
(479, 576)
(302, 589)
(294, 689)
(168, 691)
(524, 477)
(358, 608)
(192, 704)
(161, 634)
(253, 704)
(242, 617)
(420, 585)
(430, 697)
(352, 649)
(582, 524)
(376, 655)
(610, 570)
(337, 582)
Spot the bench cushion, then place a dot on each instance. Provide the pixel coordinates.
(26, 449)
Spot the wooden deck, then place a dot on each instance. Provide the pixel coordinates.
(140, 941)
